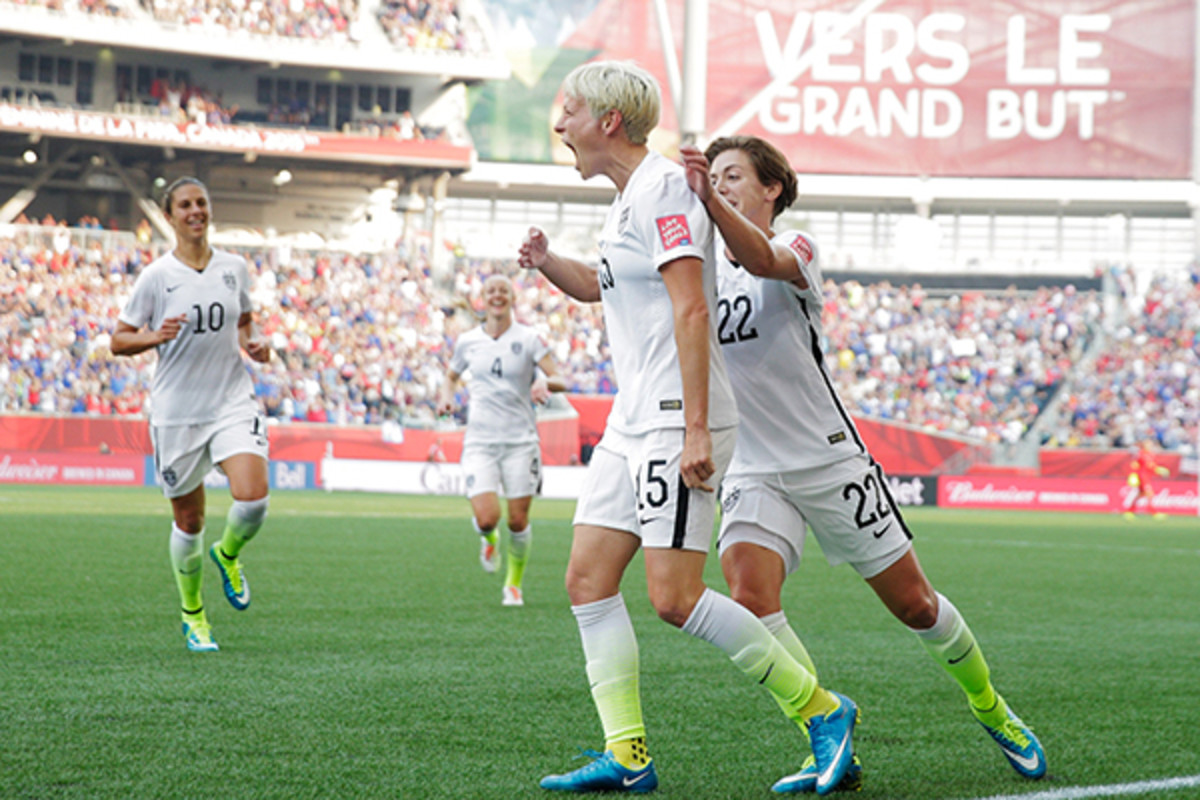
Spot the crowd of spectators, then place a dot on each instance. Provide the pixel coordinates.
(302, 19)
(431, 25)
(428, 25)
(102, 8)
(1145, 383)
(364, 339)
(977, 364)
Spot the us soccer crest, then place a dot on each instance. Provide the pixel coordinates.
(169, 477)
(730, 500)
(516, 348)
(230, 280)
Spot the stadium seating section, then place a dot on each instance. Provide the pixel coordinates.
(364, 339)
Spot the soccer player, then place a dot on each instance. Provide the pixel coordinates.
(667, 441)
(500, 448)
(193, 306)
(799, 459)
(1142, 470)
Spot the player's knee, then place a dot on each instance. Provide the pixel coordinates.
(487, 522)
(190, 521)
(518, 522)
(758, 602)
(918, 612)
(672, 607)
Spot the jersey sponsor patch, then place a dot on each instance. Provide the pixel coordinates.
(673, 231)
(837, 438)
(670, 405)
(803, 249)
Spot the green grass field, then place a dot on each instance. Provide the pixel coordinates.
(377, 661)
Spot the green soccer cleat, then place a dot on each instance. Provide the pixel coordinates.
(1017, 742)
(805, 781)
(237, 588)
(197, 635)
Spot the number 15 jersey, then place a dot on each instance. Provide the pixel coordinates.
(770, 331)
(200, 376)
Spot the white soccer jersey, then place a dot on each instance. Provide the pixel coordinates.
(770, 330)
(501, 370)
(200, 376)
(656, 220)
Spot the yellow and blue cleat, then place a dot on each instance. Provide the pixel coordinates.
(604, 774)
(1018, 743)
(237, 588)
(805, 781)
(198, 635)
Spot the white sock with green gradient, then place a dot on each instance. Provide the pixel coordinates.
(243, 521)
(745, 639)
(777, 624)
(187, 561)
(952, 645)
(611, 650)
(519, 544)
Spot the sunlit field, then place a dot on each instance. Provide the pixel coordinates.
(377, 662)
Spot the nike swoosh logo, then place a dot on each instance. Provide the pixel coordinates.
(964, 655)
(646, 520)
(827, 774)
(627, 781)
(1028, 762)
(173, 288)
(877, 534)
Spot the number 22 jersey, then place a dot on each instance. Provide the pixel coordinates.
(770, 331)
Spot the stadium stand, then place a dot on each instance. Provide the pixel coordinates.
(294, 113)
(364, 338)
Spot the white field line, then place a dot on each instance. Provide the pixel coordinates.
(1109, 790)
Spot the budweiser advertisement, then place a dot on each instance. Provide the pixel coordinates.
(1060, 88)
(22, 466)
(1062, 494)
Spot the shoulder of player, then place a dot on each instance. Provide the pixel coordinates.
(226, 258)
(155, 272)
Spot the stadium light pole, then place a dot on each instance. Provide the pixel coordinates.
(695, 71)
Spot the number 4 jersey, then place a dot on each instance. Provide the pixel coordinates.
(200, 375)
(501, 371)
(770, 332)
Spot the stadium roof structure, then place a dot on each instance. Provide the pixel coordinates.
(901, 194)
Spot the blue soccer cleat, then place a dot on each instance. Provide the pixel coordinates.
(237, 588)
(805, 781)
(604, 774)
(198, 635)
(1018, 743)
(831, 736)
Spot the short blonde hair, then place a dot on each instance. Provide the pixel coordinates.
(622, 86)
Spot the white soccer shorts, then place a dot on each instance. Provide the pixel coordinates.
(184, 454)
(517, 468)
(849, 505)
(633, 484)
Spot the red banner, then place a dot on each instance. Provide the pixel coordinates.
(1061, 494)
(18, 466)
(1091, 464)
(1061, 88)
(233, 138)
